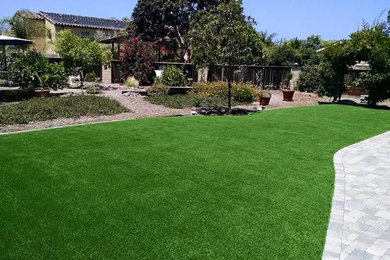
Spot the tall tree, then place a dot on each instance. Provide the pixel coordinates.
(268, 38)
(21, 26)
(313, 42)
(80, 55)
(227, 37)
(168, 21)
(294, 51)
(335, 62)
(372, 44)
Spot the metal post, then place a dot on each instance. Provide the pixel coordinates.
(112, 50)
(5, 65)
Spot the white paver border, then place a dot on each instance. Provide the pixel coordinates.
(334, 235)
(333, 244)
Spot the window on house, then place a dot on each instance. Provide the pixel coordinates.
(84, 34)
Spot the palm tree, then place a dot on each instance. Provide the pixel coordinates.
(4, 25)
(268, 39)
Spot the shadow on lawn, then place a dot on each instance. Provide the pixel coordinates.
(348, 102)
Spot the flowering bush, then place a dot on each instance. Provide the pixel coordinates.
(137, 60)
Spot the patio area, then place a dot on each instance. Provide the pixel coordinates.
(360, 222)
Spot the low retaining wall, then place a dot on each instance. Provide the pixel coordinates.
(11, 95)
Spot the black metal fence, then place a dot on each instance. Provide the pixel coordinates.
(272, 76)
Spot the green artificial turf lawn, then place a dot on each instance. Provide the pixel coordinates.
(258, 186)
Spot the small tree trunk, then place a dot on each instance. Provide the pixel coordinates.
(81, 79)
(372, 100)
(230, 90)
(338, 91)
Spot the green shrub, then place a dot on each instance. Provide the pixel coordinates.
(174, 101)
(158, 90)
(211, 89)
(208, 102)
(91, 77)
(188, 101)
(93, 88)
(309, 79)
(172, 76)
(241, 92)
(27, 68)
(244, 93)
(158, 81)
(40, 109)
(55, 76)
(31, 70)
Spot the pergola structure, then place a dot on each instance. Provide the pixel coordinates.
(113, 41)
(10, 41)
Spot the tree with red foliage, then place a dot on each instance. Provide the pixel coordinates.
(137, 60)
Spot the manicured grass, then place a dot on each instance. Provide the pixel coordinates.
(249, 187)
(41, 109)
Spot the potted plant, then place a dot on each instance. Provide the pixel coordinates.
(38, 85)
(43, 92)
(288, 94)
(264, 97)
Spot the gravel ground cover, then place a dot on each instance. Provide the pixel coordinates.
(141, 108)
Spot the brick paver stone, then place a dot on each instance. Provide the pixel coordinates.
(359, 226)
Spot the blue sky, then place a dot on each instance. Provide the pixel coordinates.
(332, 19)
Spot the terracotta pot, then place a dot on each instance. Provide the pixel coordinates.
(42, 92)
(288, 94)
(264, 101)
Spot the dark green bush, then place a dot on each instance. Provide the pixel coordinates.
(27, 68)
(310, 78)
(31, 70)
(91, 77)
(93, 88)
(158, 90)
(172, 76)
(55, 76)
(41, 109)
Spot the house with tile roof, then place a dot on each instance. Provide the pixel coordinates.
(82, 26)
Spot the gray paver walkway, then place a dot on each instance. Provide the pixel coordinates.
(359, 227)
